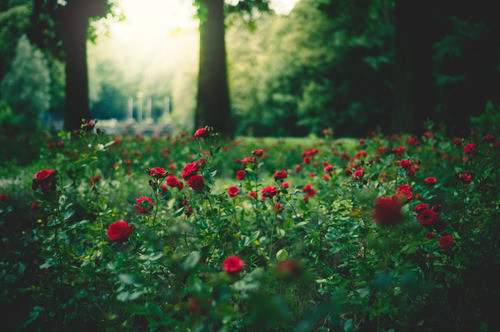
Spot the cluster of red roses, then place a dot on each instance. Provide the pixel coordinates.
(409, 168)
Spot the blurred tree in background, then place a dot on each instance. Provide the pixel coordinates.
(25, 87)
(379, 63)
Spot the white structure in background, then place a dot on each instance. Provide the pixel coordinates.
(139, 107)
(149, 119)
(165, 117)
(130, 112)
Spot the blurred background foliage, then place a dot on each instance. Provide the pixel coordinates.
(326, 64)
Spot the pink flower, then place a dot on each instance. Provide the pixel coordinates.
(201, 133)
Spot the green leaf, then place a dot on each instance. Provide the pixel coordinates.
(153, 309)
(191, 261)
(288, 224)
(282, 254)
(127, 279)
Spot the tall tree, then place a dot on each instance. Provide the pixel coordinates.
(68, 40)
(213, 105)
(413, 57)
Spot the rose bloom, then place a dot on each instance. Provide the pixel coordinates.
(285, 184)
(4, 198)
(240, 175)
(309, 190)
(465, 178)
(429, 235)
(233, 191)
(421, 207)
(233, 265)
(258, 152)
(280, 176)
(405, 163)
(430, 181)
(329, 168)
(387, 211)
(406, 191)
(358, 174)
(196, 182)
(426, 218)
(172, 181)
(307, 160)
(297, 168)
(190, 170)
(252, 194)
(288, 268)
(94, 179)
(88, 126)
(348, 172)
(140, 208)
(201, 133)
(158, 172)
(45, 180)
(445, 241)
(470, 148)
(270, 191)
(120, 231)
(278, 207)
(163, 189)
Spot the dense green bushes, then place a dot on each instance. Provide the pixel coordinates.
(382, 233)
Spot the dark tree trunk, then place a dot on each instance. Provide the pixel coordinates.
(213, 94)
(75, 23)
(413, 53)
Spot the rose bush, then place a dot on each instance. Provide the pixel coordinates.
(354, 240)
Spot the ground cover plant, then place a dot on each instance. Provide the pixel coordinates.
(188, 232)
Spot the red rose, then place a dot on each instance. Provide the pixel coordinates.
(348, 172)
(233, 264)
(387, 211)
(309, 190)
(196, 182)
(445, 241)
(270, 191)
(252, 194)
(285, 184)
(465, 178)
(430, 181)
(280, 176)
(489, 138)
(120, 231)
(278, 207)
(307, 160)
(249, 160)
(240, 175)
(144, 208)
(470, 148)
(258, 153)
(88, 126)
(202, 162)
(427, 217)
(329, 168)
(233, 191)
(429, 235)
(201, 133)
(358, 174)
(405, 191)
(35, 206)
(94, 179)
(158, 172)
(163, 189)
(297, 168)
(288, 268)
(4, 198)
(45, 180)
(421, 207)
(405, 163)
(190, 170)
